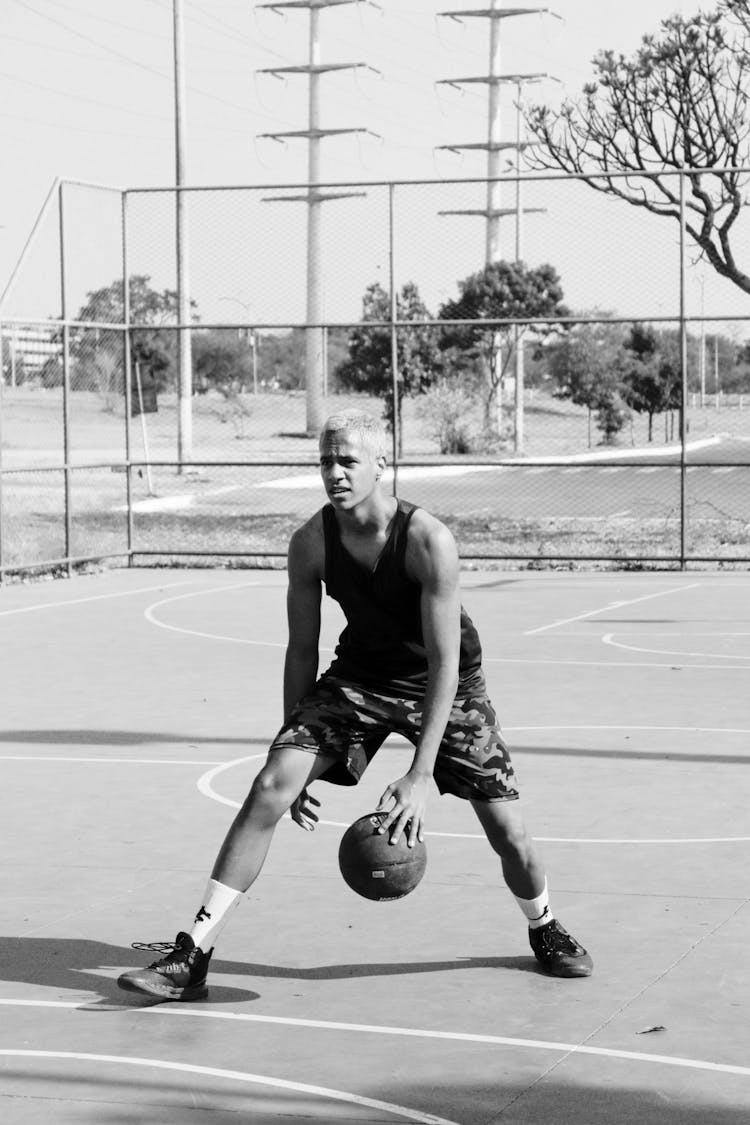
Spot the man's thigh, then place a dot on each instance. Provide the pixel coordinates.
(339, 723)
(294, 768)
(473, 761)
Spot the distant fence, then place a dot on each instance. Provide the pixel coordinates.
(99, 462)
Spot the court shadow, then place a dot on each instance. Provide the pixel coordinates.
(387, 968)
(631, 755)
(82, 964)
(144, 738)
(122, 738)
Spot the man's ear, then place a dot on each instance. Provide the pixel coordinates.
(381, 465)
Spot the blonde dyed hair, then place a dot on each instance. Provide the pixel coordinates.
(369, 428)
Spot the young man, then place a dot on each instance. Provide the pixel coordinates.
(408, 661)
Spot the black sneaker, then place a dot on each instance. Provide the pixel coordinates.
(179, 975)
(558, 953)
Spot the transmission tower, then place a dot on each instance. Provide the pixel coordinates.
(494, 146)
(493, 211)
(314, 198)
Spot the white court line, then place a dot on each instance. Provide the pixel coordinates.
(608, 639)
(607, 664)
(150, 616)
(407, 1032)
(239, 1076)
(97, 597)
(108, 761)
(631, 726)
(204, 785)
(612, 605)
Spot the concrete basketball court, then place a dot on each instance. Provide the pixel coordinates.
(137, 706)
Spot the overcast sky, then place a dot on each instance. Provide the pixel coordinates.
(86, 90)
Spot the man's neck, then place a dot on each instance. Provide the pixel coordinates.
(370, 518)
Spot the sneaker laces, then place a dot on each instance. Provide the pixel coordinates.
(165, 947)
(555, 939)
(173, 954)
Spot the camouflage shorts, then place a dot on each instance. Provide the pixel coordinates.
(350, 724)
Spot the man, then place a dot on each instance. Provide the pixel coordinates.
(408, 661)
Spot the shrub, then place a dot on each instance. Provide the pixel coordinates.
(450, 417)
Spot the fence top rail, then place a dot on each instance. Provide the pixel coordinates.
(440, 181)
(56, 323)
(93, 184)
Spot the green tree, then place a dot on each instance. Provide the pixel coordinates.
(681, 101)
(281, 358)
(368, 367)
(153, 343)
(726, 364)
(501, 291)
(651, 373)
(222, 361)
(586, 368)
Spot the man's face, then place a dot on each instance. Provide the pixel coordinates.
(349, 468)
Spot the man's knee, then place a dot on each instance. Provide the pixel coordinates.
(271, 793)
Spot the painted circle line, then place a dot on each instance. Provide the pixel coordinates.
(205, 786)
(150, 616)
(609, 639)
(371, 1029)
(93, 598)
(239, 1076)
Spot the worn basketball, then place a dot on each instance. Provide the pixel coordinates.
(375, 868)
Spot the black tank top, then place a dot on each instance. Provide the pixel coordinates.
(382, 646)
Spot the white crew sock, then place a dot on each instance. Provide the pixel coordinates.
(218, 903)
(537, 910)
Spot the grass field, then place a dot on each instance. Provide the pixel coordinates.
(270, 429)
(272, 426)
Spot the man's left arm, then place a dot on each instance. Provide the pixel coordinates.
(433, 561)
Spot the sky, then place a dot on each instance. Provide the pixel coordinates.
(86, 93)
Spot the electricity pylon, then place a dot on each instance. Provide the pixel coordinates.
(314, 134)
(493, 211)
(494, 146)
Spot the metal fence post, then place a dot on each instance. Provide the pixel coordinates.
(683, 373)
(65, 388)
(2, 385)
(126, 371)
(393, 314)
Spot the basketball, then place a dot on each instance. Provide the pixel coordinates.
(375, 868)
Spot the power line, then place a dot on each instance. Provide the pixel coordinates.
(132, 61)
(81, 97)
(78, 129)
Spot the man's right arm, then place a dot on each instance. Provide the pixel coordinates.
(305, 573)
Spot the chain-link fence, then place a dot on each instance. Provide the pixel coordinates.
(128, 432)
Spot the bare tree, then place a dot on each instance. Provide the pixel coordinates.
(681, 102)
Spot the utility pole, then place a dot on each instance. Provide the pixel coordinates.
(314, 198)
(493, 210)
(184, 340)
(702, 352)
